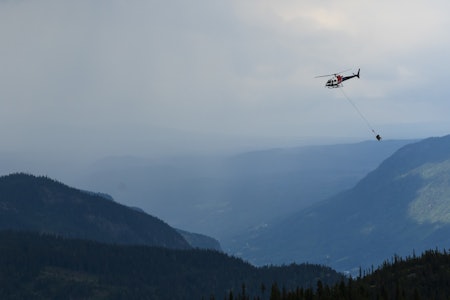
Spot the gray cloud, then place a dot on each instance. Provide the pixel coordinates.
(113, 77)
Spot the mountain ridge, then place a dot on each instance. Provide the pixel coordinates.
(200, 241)
(45, 205)
(371, 221)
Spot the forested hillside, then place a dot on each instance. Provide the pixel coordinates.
(400, 206)
(44, 205)
(34, 266)
(426, 277)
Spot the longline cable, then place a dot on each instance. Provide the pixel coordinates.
(378, 137)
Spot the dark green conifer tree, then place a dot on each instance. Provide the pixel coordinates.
(275, 293)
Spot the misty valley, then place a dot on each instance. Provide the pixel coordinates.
(350, 221)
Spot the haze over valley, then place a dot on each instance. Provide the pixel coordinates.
(286, 205)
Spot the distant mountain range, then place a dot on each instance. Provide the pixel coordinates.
(400, 207)
(224, 196)
(44, 205)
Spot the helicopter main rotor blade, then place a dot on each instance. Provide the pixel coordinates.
(334, 74)
(325, 75)
(343, 71)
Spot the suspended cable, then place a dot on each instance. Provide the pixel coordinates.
(377, 136)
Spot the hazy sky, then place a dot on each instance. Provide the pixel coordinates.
(129, 77)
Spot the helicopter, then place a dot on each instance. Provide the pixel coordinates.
(336, 82)
(337, 79)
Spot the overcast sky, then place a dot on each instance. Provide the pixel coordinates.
(128, 77)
